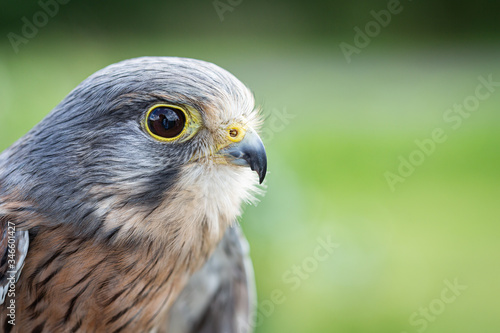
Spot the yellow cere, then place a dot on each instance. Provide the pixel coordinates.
(236, 133)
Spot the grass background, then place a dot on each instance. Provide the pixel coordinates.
(350, 124)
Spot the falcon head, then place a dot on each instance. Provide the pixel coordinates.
(153, 147)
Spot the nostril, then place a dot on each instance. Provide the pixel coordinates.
(233, 132)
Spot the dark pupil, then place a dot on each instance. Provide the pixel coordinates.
(166, 122)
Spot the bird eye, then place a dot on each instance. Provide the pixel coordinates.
(166, 122)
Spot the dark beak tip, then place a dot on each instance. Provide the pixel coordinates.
(259, 165)
(262, 174)
(251, 150)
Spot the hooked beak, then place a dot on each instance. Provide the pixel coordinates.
(249, 152)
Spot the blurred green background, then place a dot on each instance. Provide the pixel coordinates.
(335, 128)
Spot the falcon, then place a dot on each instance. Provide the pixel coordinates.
(119, 210)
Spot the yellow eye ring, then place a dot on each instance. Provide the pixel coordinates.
(166, 122)
(236, 133)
